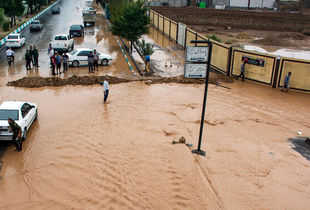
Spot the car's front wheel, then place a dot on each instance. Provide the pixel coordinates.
(104, 62)
(75, 64)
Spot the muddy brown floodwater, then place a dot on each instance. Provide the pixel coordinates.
(83, 154)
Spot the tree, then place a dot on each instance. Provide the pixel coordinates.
(129, 20)
(12, 8)
(2, 18)
(145, 48)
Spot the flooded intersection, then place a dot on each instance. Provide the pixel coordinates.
(83, 154)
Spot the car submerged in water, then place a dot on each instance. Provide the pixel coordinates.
(23, 113)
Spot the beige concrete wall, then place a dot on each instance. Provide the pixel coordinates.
(261, 74)
(300, 69)
(166, 26)
(156, 20)
(219, 56)
(174, 29)
(190, 35)
(161, 23)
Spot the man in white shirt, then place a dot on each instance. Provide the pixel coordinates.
(50, 52)
(10, 53)
(105, 90)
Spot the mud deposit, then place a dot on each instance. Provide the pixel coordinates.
(35, 82)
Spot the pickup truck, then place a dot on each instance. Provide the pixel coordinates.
(89, 16)
(62, 43)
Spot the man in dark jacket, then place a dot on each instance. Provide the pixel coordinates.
(17, 133)
(35, 55)
(31, 55)
(28, 60)
(90, 62)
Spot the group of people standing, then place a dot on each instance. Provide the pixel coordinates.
(32, 58)
(56, 59)
(93, 59)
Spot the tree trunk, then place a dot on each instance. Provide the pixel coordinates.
(14, 17)
(131, 43)
(11, 21)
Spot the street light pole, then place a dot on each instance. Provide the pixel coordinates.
(198, 150)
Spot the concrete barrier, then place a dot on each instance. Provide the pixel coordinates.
(22, 27)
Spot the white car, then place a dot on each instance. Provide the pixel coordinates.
(62, 43)
(23, 113)
(79, 57)
(15, 40)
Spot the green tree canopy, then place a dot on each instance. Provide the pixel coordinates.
(129, 19)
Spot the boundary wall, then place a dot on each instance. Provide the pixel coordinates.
(227, 60)
(23, 26)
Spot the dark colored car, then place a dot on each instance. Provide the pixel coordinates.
(56, 10)
(36, 25)
(76, 30)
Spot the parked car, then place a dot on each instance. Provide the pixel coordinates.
(76, 30)
(78, 57)
(23, 113)
(15, 40)
(56, 10)
(62, 43)
(36, 25)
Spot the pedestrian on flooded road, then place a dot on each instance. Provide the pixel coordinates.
(65, 60)
(28, 60)
(50, 53)
(96, 59)
(58, 63)
(31, 55)
(17, 134)
(90, 62)
(242, 70)
(105, 90)
(35, 54)
(53, 62)
(286, 82)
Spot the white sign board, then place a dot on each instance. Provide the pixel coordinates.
(197, 54)
(193, 70)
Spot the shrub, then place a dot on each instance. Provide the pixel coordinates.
(6, 25)
(228, 42)
(214, 37)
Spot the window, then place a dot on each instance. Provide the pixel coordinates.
(5, 114)
(73, 52)
(25, 109)
(83, 53)
(60, 37)
(13, 37)
(75, 27)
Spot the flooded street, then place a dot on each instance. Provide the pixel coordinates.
(83, 154)
(97, 37)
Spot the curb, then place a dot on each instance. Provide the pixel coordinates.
(20, 28)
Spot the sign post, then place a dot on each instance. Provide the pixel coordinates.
(203, 56)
